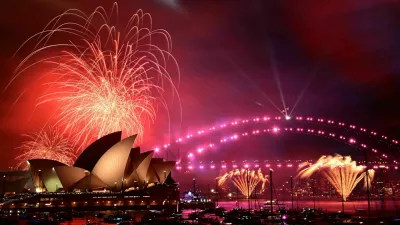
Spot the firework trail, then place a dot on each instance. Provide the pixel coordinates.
(106, 79)
(49, 144)
(341, 172)
(245, 180)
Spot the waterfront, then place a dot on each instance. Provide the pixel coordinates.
(391, 207)
(354, 208)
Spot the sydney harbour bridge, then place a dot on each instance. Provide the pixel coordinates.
(378, 150)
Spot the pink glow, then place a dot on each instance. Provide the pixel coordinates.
(276, 129)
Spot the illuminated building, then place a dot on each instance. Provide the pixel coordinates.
(109, 171)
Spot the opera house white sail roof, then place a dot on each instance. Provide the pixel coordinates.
(109, 163)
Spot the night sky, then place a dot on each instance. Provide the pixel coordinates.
(344, 54)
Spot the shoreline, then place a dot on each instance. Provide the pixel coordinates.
(391, 207)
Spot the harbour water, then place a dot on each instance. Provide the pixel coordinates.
(388, 208)
(377, 206)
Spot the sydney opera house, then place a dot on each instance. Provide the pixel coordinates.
(108, 173)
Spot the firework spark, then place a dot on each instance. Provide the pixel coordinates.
(341, 172)
(245, 180)
(49, 144)
(106, 79)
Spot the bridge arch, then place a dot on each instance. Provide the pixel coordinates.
(376, 144)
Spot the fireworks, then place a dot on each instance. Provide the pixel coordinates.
(341, 172)
(46, 145)
(106, 79)
(243, 179)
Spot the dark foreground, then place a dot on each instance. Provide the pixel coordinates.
(387, 207)
(327, 212)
